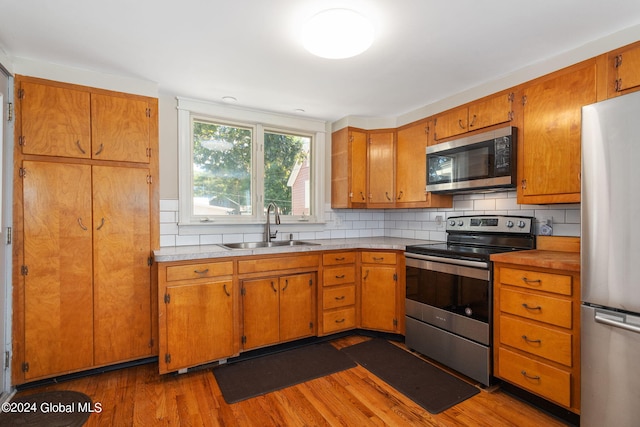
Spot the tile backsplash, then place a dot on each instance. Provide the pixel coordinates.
(425, 224)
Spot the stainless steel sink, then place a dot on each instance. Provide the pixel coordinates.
(273, 244)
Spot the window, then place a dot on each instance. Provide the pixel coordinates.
(232, 169)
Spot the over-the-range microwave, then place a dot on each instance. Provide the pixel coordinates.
(480, 162)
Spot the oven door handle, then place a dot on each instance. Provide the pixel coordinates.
(463, 262)
(443, 267)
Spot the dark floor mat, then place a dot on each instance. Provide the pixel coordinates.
(432, 388)
(47, 409)
(254, 377)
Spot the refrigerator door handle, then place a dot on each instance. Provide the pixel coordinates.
(616, 320)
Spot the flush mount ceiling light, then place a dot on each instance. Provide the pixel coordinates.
(337, 34)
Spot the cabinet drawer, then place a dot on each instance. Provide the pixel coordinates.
(545, 309)
(339, 258)
(548, 282)
(339, 275)
(542, 379)
(338, 320)
(199, 271)
(379, 258)
(339, 296)
(539, 340)
(258, 265)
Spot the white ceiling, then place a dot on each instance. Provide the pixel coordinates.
(425, 50)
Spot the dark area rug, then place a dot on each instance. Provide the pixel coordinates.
(254, 377)
(432, 388)
(47, 409)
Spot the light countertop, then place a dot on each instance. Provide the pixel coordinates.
(185, 253)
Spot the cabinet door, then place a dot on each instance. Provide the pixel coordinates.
(411, 164)
(491, 111)
(627, 66)
(550, 144)
(55, 121)
(297, 313)
(120, 128)
(379, 292)
(58, 296)
(200, 325)
(358, 165)
(260, 312)
(381, 169)
(451, 123)
(122, 274)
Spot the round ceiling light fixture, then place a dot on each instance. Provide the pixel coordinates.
(337, 34)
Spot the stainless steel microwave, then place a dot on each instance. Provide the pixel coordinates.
(481, 162)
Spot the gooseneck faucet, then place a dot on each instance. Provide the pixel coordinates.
(267, 228)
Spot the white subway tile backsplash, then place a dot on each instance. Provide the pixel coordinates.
(407, 223)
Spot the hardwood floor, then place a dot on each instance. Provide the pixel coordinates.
(138, 396)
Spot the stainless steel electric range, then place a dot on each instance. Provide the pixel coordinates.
(449, 290)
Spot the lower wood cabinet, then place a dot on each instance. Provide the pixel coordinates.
(382, 289)
(213, 309)
(277, 309)
(198, 313)
(537, 331)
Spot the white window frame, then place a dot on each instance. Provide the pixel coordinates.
(261, 122)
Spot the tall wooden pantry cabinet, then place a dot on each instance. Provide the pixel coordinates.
(85, 224)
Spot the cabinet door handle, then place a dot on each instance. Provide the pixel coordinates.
(527, 339)
(362, 195)
(473, 120)
(400, 194)
(460, 124)
(340, 277)
(101, 224)
(100, 148)
(286, 285)
(81, 224)
(386, 193)
(531, 377)
(366, 274)
(525, 305)
(224, 288)
(273, 287)
(531, 282)
(80, 147)
(205, 271)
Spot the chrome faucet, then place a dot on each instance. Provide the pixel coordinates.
(267, 228)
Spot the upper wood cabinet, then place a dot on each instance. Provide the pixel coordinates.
(56, 121)
(74, 121)
(349, 168)
(485, 112)
(550, 138)
(411, 168)
(381, 169)
(624, 70)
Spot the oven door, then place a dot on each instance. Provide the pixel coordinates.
(455, 298)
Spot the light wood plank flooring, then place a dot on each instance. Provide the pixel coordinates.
(138, 396)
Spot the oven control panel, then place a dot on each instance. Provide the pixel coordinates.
(491, 224)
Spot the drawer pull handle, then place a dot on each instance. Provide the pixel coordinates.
(527, 339)
(340, 258)
(340, 277)
(340, 321)
(205, 271)
(525, 305)
(531, 282)
(340, 298)
(530, 377)
(378, 258)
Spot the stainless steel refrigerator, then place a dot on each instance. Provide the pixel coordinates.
(610, 263)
